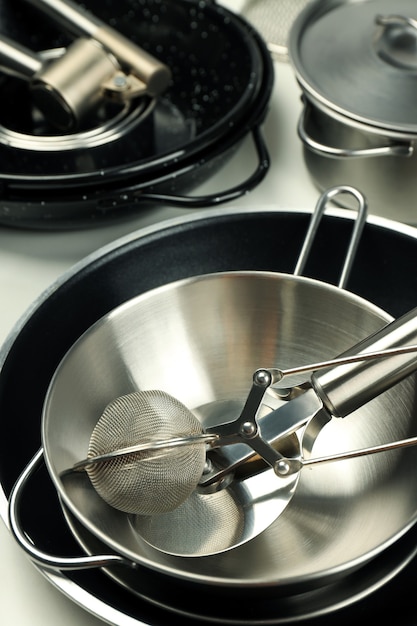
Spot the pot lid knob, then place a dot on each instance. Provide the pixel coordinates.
(396, 40)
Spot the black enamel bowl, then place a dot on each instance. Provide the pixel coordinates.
(151, 151)
(244, 240)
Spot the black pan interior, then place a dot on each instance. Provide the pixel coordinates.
(232, 241)
(159, 150)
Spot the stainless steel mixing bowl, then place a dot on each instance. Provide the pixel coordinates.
(200, 339)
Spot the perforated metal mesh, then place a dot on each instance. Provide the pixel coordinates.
(147, 482)
(274, 19)
(203, 524)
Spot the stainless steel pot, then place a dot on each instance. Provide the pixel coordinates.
(356, 65)
(200, 340)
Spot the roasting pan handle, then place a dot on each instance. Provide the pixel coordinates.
(48, 561)
(195, 202)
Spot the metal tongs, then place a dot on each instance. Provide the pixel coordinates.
(346, 384)
(336, 388)
(100, 63)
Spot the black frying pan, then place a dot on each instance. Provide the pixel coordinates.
(212, 241)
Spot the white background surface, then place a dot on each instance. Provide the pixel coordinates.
(31, 261)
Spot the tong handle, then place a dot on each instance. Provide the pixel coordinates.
(345, 388)
(154, 74)
(18, 60)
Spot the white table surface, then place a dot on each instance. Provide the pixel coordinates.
(31, 261)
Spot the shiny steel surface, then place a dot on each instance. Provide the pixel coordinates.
(163, 482)
(288, 610)
(17, 59)
(154, 74)
(205, 354)
(69, 14)
(382, 167)
(346, 388)
(70, 88)
(46, 597)
(100, 64)
(360, 203)
(336, 52)
(354, 62)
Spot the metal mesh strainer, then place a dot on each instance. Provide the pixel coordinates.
(152, 481)
(273, 19)
(146, 458)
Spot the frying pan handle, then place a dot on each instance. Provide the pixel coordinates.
(195, 202)
(345, 388)
(316, 217)
(46, 560)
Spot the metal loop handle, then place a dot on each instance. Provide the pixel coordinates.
(195, 202)
(403, 149)
(46, 560)
(315, 222)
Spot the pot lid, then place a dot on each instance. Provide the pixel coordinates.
(359, 59)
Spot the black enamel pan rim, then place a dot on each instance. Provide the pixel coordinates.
(249, 111)
(57, 200)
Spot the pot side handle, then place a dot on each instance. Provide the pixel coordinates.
(404, 149)
(48, 561)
